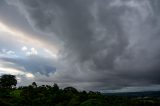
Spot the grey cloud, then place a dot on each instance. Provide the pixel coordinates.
(112, 42)
(33, 64)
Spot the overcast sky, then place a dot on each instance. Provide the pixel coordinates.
(102, 45)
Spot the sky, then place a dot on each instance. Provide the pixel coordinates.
(99, 45)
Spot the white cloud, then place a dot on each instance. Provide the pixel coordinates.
(24, 48)
(29, 75)
(54, 55)
(4, 70)
(5, 52)
(10, 52)
(32, 51)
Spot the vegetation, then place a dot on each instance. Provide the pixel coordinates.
(8, 81)
(47, 95)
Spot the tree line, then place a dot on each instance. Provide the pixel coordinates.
(47, 95)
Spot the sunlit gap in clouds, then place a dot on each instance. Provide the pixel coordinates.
(15, 72)
(23, 39)
(28, 39)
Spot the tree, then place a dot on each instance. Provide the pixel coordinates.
(70, 89)
(34, 84)
(55, 87)
(8, 81)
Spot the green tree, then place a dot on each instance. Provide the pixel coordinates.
(8, 81)
(34, 84)
(55, 87)
(70, 89)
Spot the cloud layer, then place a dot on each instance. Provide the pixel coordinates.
(103, 44)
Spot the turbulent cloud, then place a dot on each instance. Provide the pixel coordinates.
(103, 44)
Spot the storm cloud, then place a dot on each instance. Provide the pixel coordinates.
(103, 44)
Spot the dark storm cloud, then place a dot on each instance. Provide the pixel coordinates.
(11, 16)
(105, 43)
(72, 22)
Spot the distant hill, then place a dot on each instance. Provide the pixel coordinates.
(136, 94)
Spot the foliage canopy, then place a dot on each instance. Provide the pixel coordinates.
(8, 81)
